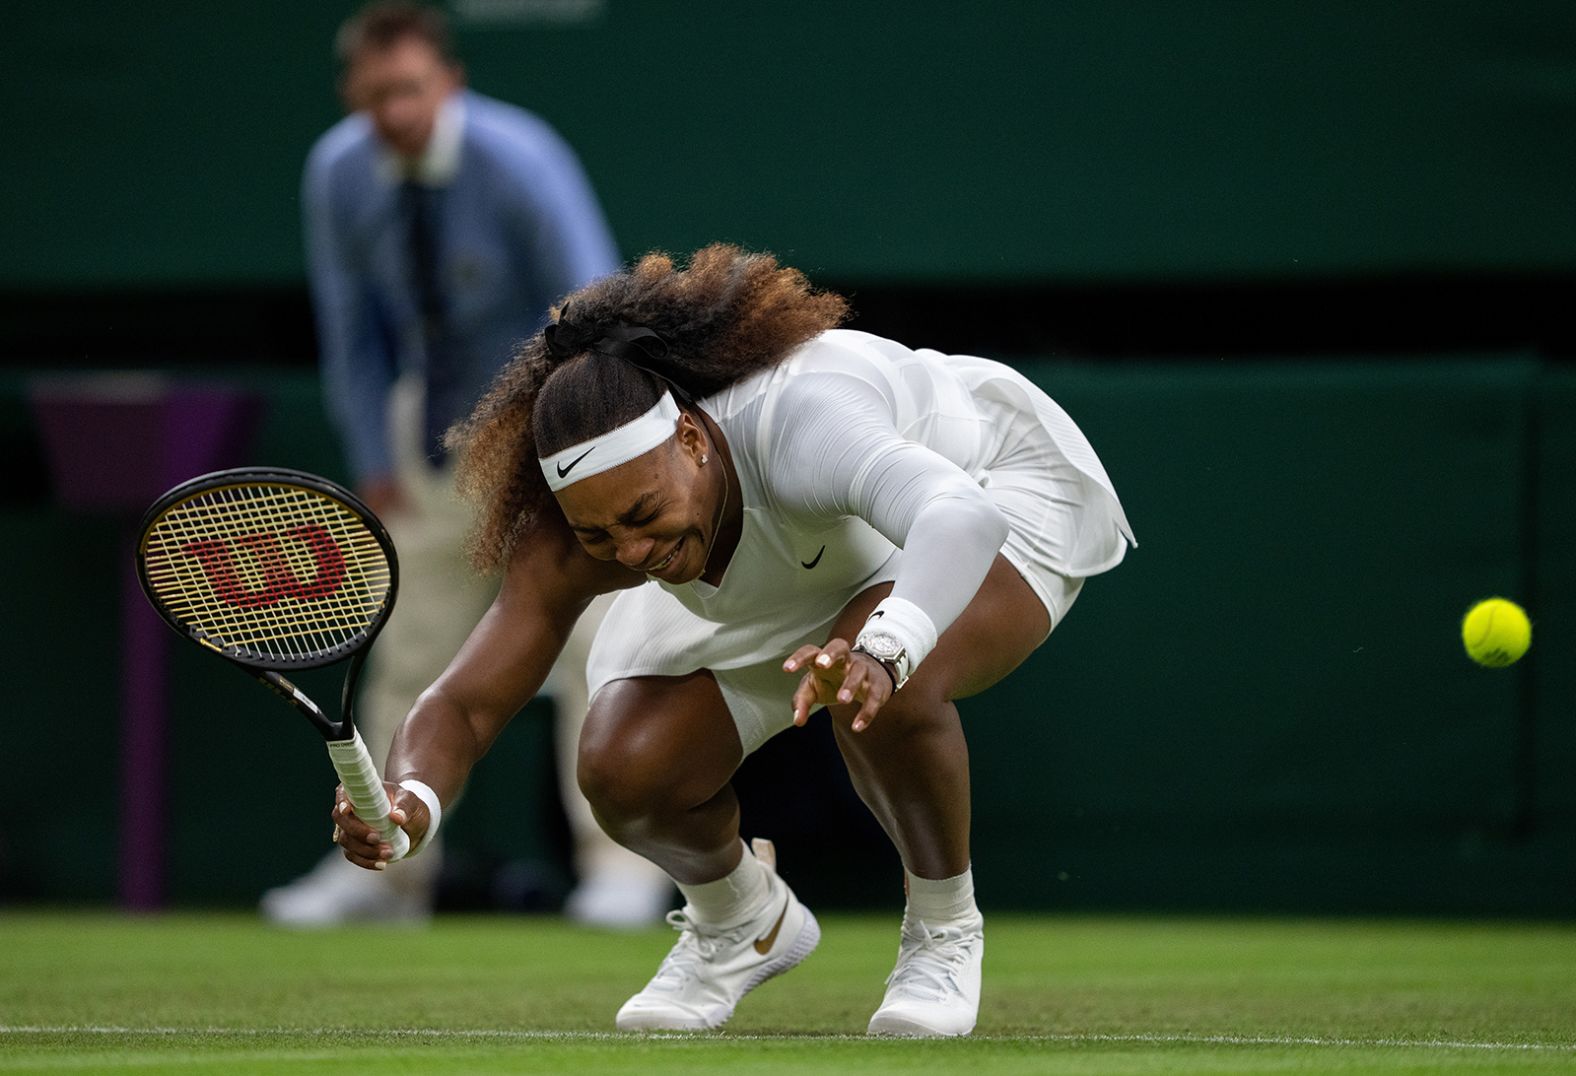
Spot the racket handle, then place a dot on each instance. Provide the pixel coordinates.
(364, 787)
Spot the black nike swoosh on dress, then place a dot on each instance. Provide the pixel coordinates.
(563, 469)
(817, 560)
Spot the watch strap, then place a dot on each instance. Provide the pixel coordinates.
(889, 667)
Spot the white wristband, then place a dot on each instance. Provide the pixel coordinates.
(907, 623)
(424, 792)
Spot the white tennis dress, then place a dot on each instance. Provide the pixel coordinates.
(862, 462)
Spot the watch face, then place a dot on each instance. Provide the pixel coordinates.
(880, 646)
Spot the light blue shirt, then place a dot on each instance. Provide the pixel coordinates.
(519, 229)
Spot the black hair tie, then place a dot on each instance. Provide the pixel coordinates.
(636, 345)
(565, 339)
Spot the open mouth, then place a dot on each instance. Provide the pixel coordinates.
(665, 561)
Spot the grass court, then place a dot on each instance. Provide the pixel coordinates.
(101, 993)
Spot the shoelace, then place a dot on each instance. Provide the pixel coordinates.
(695, 946)
(930, 959)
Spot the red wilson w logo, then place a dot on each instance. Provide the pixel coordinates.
(279, 579)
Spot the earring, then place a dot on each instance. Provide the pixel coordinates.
(704, 458)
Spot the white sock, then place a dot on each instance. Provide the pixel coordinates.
(938, 901)
(731, 899)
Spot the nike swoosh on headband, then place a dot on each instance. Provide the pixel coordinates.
(564, 469)
(618, 445)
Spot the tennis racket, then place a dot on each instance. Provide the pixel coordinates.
(277, 570)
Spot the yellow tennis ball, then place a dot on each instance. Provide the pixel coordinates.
(1496, 632)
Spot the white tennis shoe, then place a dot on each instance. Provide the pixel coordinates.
(614, 898)
(709, 970)
(935, 989)
(336, 892)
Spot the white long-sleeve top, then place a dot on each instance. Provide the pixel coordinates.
(862, 461)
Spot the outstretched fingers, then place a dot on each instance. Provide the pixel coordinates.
(822, 667)
(833, 675)
(875, 689)
(806, 697)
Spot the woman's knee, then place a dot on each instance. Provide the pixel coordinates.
(621, 775)
(598, 775)
(651, 748)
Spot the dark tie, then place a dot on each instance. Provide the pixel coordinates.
(422, 210)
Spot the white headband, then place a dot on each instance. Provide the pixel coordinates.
(618, 445)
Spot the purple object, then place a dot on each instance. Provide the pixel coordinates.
(114, 443)
(117, 441)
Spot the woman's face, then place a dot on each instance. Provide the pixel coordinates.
(656, 514)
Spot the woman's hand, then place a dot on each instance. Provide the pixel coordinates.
(835, 674)
(361, 844)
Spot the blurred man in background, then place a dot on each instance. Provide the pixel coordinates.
(440, 226)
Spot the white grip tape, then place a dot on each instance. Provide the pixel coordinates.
(353, 762)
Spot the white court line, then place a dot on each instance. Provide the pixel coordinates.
(460, 1034)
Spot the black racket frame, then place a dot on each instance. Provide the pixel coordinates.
(267, 672)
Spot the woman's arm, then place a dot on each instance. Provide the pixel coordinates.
(837, 452)
(548, 583)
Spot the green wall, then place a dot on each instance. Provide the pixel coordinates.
(1268, 704)
(930, 140)
(1266, 707)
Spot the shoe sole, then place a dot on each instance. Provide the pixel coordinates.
(901, 1027)
(804, 944)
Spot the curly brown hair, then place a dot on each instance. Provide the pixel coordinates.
(725, 316)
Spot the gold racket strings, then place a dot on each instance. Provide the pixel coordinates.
(268, 570)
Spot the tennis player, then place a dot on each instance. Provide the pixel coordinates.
(797, 516)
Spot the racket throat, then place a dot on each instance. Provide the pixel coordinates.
(333, 730)
(347, 698)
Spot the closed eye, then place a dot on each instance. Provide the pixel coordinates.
(643, 511)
